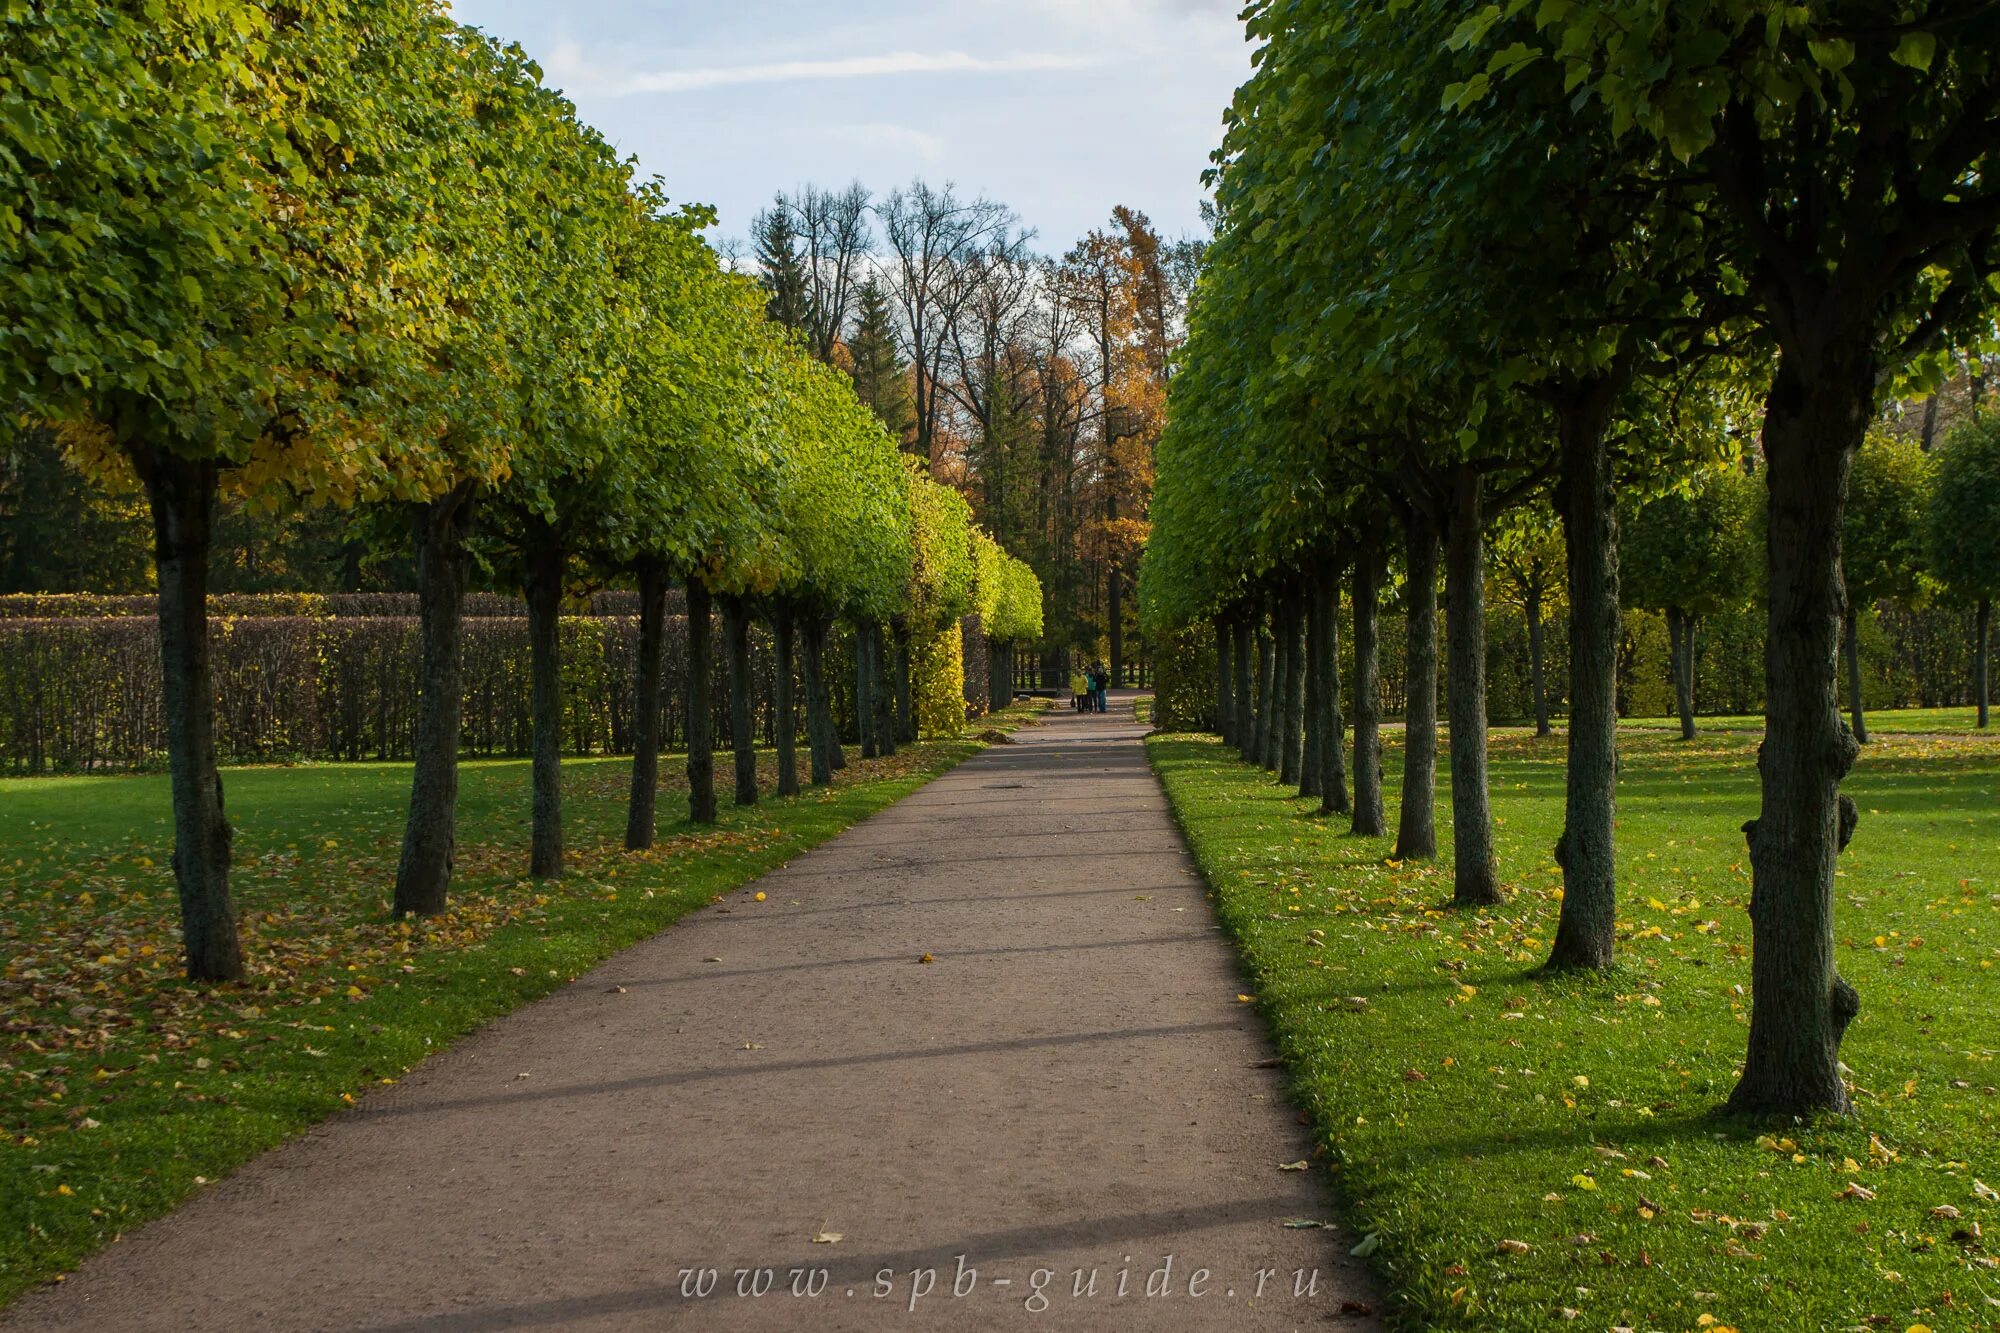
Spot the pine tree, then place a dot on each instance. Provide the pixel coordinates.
(782, 273)
(881, 380)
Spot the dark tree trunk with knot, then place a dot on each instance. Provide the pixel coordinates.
(1680, 638)
(700, 708)
(1416, 831)
(1370, 819)
(1587, 850)
(423, 874)
(1800, 1007)
(542, 581)
(1475, 869)
(182, 497)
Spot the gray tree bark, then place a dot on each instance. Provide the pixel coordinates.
(885, 702)
(700, 706)
(1225, 680)
(819, 717)
(543, 558)
(423, 874)
(1800, 1007)
(1294, 704)
(866, 683)
(181, 493)
(1475, 867)
(1537, 676)
(784, 620)
(1982, 661)
(742, 699)
(1851, 638)
(1332, 755)
(1311, 768)
(1416, 830)
(906, 712)
(1370, 819)
(1240, 662)
(641, 808)
(1587, 849)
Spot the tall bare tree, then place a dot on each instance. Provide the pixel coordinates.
(932, 235)
(835, 242)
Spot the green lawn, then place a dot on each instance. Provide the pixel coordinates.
(122, 1088)
(1888, 721)
(1515, 1149)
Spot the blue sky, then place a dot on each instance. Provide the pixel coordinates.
(1059, 108)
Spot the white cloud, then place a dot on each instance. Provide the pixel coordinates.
(899, 138)
(568, 61)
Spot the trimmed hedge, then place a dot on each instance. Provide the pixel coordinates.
(83, 692)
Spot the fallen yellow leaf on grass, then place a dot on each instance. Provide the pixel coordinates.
(1512, 1247)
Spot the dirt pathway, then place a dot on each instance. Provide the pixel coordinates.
(1069, 1088)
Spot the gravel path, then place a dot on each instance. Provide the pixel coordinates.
(1070, 1087)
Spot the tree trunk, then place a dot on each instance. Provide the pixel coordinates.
(1982, 662)
(181, 493)
(1311, 769)
(1332, 754)
(742, 699)
(819, 716)
(1416, 832)
(1800, 1008)
(1851, 638)
(700, 707)
(1240, 662)
(866, 682)
(1587, 849)
(423, 875)
(1265, 727)
(1537, 678)
(1282, 641)
(642, 806)
(786, 723)
(1370, 821)
(1680, 639)
(879, 670)
(1290, 745)
(542, 585)
(906, 712)
(1225, 680)
(1475, 868)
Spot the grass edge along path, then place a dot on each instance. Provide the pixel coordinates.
(77, 1169)
(1569, 1164)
